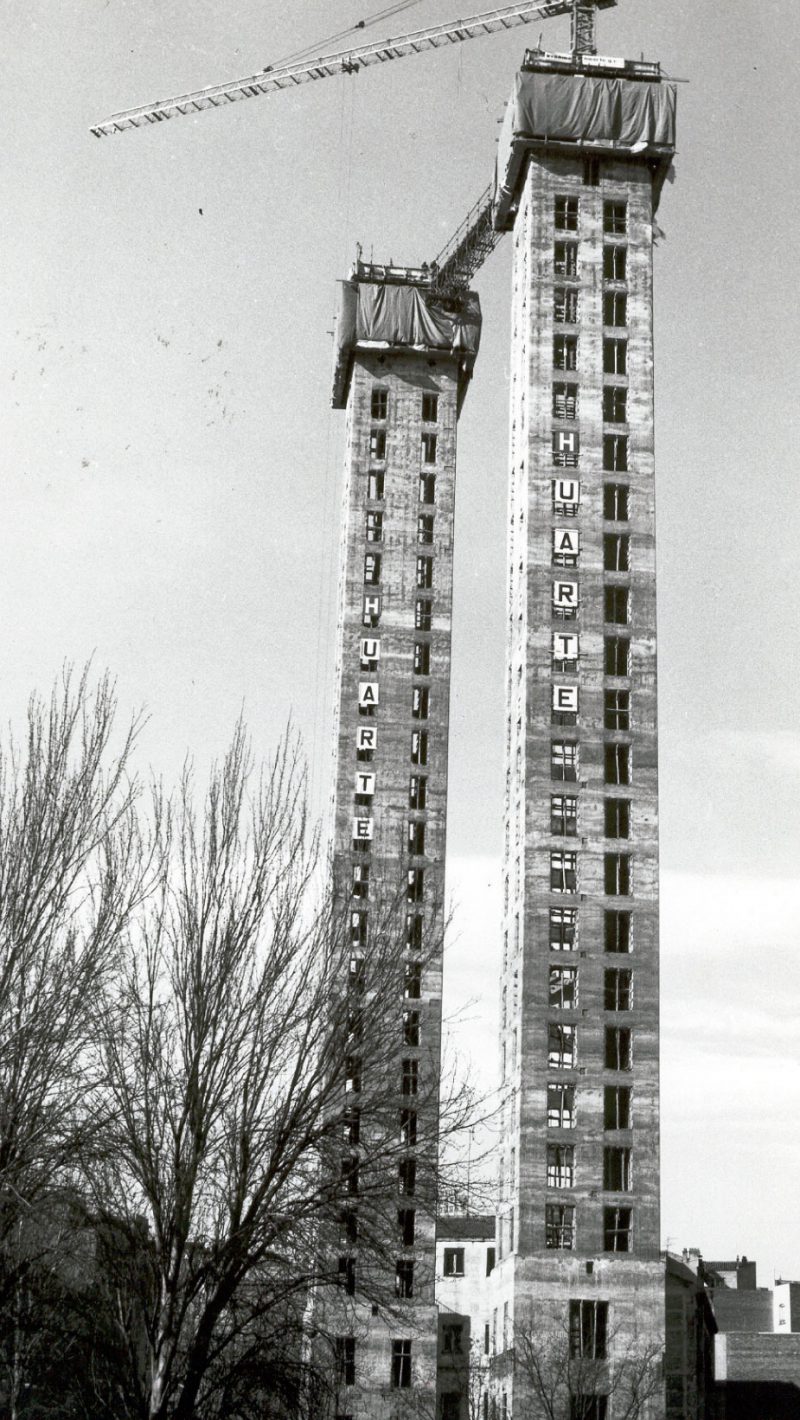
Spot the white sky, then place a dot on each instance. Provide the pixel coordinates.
(171, 468)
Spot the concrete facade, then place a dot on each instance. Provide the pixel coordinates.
(578, 1191)
(465, 1261)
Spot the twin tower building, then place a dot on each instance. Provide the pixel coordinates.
(584, 151)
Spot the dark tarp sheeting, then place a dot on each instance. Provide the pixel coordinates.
(630, 116)
(401, 316)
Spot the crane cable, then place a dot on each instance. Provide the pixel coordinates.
(319, 46)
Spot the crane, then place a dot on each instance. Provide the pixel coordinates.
(351, 61)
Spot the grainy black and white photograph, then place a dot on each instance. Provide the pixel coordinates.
(399, 757)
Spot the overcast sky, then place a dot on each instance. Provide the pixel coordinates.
(172, 468)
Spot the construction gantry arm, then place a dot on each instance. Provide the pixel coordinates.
(350, 61)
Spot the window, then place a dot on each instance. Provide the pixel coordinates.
(615, 502)
(617, 818)
(566, 448)
(429, 443)
(565, 305)
(617, 931)
(616, 552)
(615, 308)
(617, 874)
(616, 1169)
(565, 401)
(412, 976)
(355, 1026)
(351, 1126)
(417, 792)
(407, 1181)
(563, 928)
(615, 262)
(561, 1106)
(490, 1260)
(452, 1338)
(422, 614)
(427, 488)
(411, 1028)
(615, 218)
(416, 837)
(352, 1074)
(419, 747)
(584, 1406)
(564, 815)
(563, 988)
(615, 355)
(617, 1107)
(430, 408)
(564, 760)
(347, 1276)
(422, 658)
(617, 655)
(563, 872)
(424, 571)
(617, 764)
(415, 890)
(591, 172)
(565, 352)
(559, 1225)
(588, 1330)
(617, 1229)
(615, 605)
(401, 1365)
(372, 569)
(374, 528)
(565, 258)
(450, 1406)
(615, 404)
(617, 712)
(413, 930)
(454, 1262)
(377, 444)
(560, 1165)
(346, 1359)
(350, 1173)
(349, 1225)
(357, 976)
(420, 701)
(361, 880)
(618, 989)
(410, 1077)
(425, 528)
(615, 453)
(408, 1128)
(562, 1042)
(566, 214)
(618, 1048)
(379, 403)
(403, 1278)
(406, 1226)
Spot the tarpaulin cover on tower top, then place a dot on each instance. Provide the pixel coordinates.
(626, 115)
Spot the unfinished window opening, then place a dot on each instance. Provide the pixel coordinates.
(615, 453)
(563, 872)
(374, 527)
(372, 569)
(617, 655)
(617, 813)
(616, 552)
(379, 403)
(564, 760)
(616, 1169)
(351, 1126)
(348, 1222)
(401, 1365)
(615, 404)
(419, 747)
(428, 448)
(346, 1359)
(566, 497)
(408, 1128)
(417, 792)
(347, 1275)
(564, 815)
(565, 305)
(563, 928)
(617, 931)
(375, 486)
(414, 928)
(591, 172)
(406, 1218)
(404, 1278)
(588, 1330)
(377, 445)
(407, 1181)
(565, 214)
(617, 1107)
(615, 355)
(565, 401)
(425, 529)
(615, 218)
(420, 702)
(357, 975)
(424, 572)
(565, 258)
(360, 880)
(615, 308)
(616, 605)
(616, 502)
(619, 1043)
(422, 658)
(617, 764)
(559, 1226)
(617, 874)
(430, 408)
(617, 1229)
(454, 1262)
(412, 980)
(617, 709)
(490, 1261)
(615, 262)
(563, 988)
(565, 352)
(423, 614)
(416, 838)
(358, 928)
(561, 1106)
(618, 988)
(352, 1074)
(427, 488)
(349, 1173)
(562, 1046)
(415, 890)
(411, 1028)
(560, 1165)
(410, 1079)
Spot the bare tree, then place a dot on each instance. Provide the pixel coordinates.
(571, 1368)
